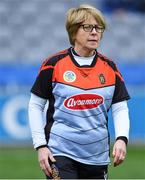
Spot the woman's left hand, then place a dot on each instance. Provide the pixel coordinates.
(119, 152)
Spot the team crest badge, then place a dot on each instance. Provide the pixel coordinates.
(69, 76)
(102, 79)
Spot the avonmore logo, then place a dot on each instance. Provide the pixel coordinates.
(83, 101)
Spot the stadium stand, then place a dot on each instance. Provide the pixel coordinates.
(124, 5)
(33, 29)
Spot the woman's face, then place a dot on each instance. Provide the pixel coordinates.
(86, 40)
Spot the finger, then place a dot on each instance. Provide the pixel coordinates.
(42, 166)
(46, 168)
(119, 159)
(48, 171)
(116, 155)
(116, 159)
(118, 162)
(52, 159)
(113, 153)
(122, 157)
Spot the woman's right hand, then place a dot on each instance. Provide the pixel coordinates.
(44, 156)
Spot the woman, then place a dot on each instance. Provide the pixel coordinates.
(81, 85)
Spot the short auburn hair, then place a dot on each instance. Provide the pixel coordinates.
(76, 16)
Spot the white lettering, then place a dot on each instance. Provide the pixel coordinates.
(72, 102)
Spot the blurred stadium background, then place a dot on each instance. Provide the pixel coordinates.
(31, 30)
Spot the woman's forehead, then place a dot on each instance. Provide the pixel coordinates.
(90, 20)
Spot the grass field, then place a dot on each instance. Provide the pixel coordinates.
(21, 163)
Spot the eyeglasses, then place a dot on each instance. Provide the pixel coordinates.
(90, 27)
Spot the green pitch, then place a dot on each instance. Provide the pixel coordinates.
(133, 167)
(21, 163)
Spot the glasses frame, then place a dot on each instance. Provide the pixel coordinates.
(90, 27)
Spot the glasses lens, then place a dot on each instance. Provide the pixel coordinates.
(87, 27)
(99, 29)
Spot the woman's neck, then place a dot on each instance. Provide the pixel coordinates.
(84, 53)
